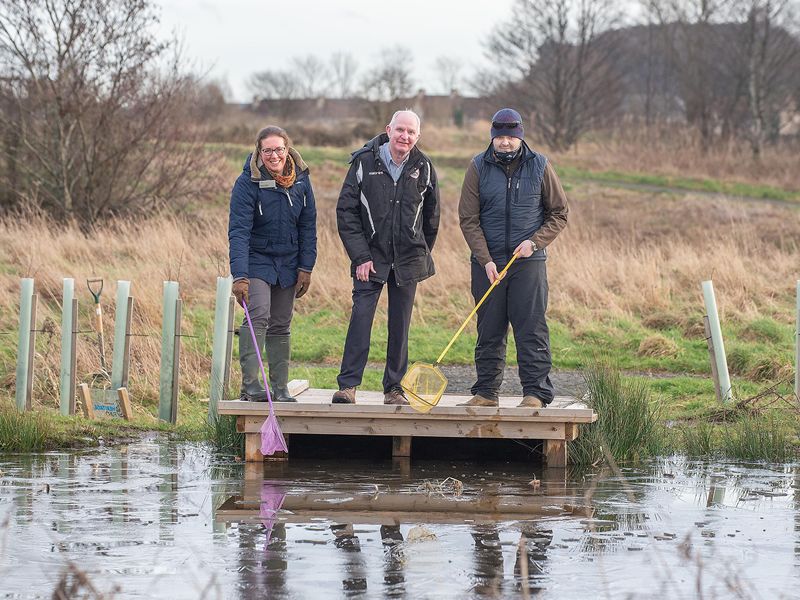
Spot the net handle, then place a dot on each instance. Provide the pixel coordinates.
(474, 310)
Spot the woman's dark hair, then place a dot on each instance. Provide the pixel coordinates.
(270, 131)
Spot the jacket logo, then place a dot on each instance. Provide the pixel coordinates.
(375, 173)
(414, 174)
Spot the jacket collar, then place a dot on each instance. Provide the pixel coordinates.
(254, 164)
(374, 146)
(527, 154)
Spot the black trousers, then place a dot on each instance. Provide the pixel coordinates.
(356, 345)
(521, 300)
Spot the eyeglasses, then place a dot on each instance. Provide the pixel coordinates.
(506, 125)
(280, 151)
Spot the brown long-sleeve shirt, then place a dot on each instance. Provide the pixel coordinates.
(556, 209)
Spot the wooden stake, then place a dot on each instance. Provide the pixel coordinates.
(712, 355)
(86, 400)
(124, 403)
(229, 345)
(176, 361)
(31, 353)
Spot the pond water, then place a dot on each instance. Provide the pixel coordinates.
(158, 519)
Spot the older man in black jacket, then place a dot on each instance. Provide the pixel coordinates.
(388, 217)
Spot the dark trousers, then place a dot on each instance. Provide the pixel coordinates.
(521, 300)
(270, 307)
(356, 345)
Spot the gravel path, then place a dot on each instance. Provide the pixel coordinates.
(461, 377)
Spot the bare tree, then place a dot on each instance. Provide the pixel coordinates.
(311, 75)
(771, 57)
(274, 85)
(552, 63)
(343, 73)
(694, 42)
(448, 69)
(391, 77)
(94, 118)
(387, 82)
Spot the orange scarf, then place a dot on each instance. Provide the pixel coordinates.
(286, 180)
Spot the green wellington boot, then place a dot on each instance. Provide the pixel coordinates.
(278, 349)
(252, 381)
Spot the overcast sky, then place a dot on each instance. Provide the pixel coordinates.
(234, 38)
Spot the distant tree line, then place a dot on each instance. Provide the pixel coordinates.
(729, 68)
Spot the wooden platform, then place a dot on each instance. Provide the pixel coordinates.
(313, 413)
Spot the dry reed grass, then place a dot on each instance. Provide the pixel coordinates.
(672, 149)
(624, 254)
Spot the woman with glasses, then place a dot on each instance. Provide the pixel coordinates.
(273, 247)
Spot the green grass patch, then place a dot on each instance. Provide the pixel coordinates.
(223, 435)
(760, 437)
(25, 432)
(731, 188)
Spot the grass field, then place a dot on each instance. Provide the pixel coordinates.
(624, 276)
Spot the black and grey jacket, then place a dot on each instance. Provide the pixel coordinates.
(392, 224)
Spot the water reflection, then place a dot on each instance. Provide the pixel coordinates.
(159, 519)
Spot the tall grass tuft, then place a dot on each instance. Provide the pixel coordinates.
(24, 432)
(698, 440)
(628, 422)
(224, 436)
(759, 437)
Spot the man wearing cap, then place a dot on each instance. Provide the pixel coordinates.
(511, 202)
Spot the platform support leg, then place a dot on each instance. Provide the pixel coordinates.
(555, 453)
(401, 446)
(252, 447)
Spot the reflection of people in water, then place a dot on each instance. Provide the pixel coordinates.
(263, 558)
(488, 576)
(393, 576)
(346, 540)
(354, 567)
(262, 568)
(532, 558)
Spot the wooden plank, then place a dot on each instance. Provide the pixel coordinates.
(366, 398)
(401, 446)
(412, 427)
(297, 387)
(124, 403)
(359, 411)
(86, 401)
(555, 452)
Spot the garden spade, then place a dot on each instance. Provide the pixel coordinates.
(425, 383)
(95, 286)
